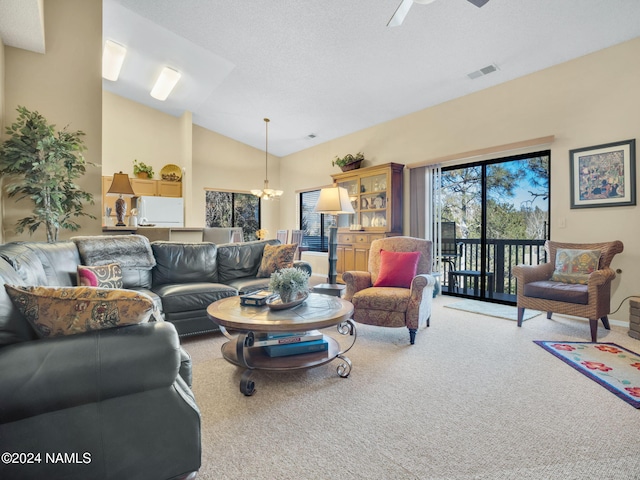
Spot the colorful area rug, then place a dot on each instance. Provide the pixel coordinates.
(492, 309)
(615, 368)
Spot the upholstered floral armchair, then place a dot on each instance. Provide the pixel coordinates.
(576, 281)
(397, 290)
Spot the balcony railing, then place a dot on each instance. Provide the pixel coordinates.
(502, 255)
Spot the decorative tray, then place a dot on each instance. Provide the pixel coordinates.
(274, 303)
(171, 173)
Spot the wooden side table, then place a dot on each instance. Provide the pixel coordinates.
(335, 289)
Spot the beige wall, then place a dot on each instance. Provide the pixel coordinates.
(588, 101)
(209, 160)
(222, 163)
(133, 131)
(65, 86)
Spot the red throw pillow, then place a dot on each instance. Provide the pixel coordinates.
(397, 269)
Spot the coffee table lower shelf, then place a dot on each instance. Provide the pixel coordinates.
(256, 358)
(316, 313)
(236, 352)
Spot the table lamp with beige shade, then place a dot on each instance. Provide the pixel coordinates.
(121, 186)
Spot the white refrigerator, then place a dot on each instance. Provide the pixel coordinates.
(160, 211)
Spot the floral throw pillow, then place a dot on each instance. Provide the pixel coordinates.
(103, 276)
(57, 311)
(276, 257)
(574, 266)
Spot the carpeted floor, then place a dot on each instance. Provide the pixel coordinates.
(492, 309)
(474, 398)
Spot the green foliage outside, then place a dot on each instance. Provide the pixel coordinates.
(462, 202)
(41, 165)
(228, 209)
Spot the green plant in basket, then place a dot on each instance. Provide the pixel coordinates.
(141, 169)
(348, 159)
(289, 283)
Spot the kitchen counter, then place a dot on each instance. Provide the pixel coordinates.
(176, 234)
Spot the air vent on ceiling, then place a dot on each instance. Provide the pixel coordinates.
(483, 71)
(311, 135)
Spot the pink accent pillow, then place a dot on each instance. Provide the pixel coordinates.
(103, 276)
(397, 269)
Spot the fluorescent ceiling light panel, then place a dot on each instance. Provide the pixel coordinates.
(112, 59)
(165, 83)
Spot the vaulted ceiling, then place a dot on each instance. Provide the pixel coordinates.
(332, 67)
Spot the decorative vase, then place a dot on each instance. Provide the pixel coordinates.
(288, 296)
(351, 166)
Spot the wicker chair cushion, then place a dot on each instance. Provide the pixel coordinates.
(558, 291)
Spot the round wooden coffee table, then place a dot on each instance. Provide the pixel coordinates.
(315, 313)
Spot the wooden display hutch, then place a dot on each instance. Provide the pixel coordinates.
(376, 196)
(141, 186)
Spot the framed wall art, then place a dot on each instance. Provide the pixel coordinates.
(603, 175)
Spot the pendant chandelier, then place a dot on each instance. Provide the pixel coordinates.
(267, 193)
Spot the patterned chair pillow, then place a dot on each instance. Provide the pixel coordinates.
(276, 257)
(57, 311)
(103, 276)
(574, 266)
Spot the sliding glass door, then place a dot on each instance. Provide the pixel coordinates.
(500, 212)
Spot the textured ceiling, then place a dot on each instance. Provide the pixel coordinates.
(22, 24)
(332, 67)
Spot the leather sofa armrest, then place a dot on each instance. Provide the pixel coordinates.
(303, 265)
(52, 374)
(355, 281)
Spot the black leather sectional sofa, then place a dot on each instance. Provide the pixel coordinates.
(183, 279)
(113, 403)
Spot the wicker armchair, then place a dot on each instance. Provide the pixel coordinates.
(393, 306)
(537, 291)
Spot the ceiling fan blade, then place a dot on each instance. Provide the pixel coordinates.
(401, 12)
(478, 3)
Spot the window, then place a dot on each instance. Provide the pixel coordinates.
(233, 209)
(314, 225)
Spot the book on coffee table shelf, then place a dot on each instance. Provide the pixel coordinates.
(256, 299)
(286, 338)
(296, 348)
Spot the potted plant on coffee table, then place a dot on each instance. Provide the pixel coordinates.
(349, 162)
(289, 284)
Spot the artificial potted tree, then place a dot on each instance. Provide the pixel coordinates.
(349, 162)
(42, 165)
(142, 170)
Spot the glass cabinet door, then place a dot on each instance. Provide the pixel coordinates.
(347, 220)
(373, 201)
